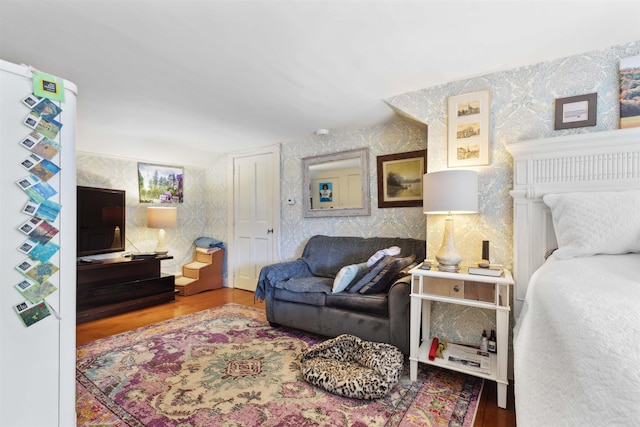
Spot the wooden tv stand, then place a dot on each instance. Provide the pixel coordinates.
(113, 286)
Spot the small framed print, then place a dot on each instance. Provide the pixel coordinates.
(468, 129)
(576, 111)
(326, 191)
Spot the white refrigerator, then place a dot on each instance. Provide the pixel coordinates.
(37, 362)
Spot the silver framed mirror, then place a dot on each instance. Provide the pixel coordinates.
(336, 184)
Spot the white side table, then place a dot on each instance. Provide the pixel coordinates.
(465, 289)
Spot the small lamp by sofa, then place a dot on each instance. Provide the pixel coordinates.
(161, 217)
(451, 191)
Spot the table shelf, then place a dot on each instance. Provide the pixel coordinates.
(423, 357)
(448, 287)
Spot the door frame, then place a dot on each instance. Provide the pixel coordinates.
(274, 151)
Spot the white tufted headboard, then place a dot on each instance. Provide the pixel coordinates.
(596, 161)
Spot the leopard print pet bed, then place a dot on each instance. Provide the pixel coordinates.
(350, 367)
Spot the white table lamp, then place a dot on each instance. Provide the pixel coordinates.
(452, 191)
(161, 217)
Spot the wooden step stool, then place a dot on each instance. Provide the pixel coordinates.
(202, 274)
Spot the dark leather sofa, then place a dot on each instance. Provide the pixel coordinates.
(299, 293)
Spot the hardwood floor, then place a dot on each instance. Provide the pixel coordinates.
(96, 329)
(488, 415)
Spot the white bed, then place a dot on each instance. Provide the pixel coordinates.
(577, 330)
(577, 344)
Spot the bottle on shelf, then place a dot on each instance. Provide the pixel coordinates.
(491, 346)
(484, 344)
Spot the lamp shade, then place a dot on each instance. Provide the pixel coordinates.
(161, 217)
(450, 191)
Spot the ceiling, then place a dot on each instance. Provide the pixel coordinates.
(227, 76)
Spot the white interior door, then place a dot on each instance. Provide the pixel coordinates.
(256, 213)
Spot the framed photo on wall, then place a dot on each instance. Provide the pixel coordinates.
(629, 93)
(160, 183)
(576, 111)
(400, 179)
(326, 191)
(468, 129)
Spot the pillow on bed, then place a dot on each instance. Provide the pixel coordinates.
(595, 223)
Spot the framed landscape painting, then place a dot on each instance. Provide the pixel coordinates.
(400, 179)
(630, 92)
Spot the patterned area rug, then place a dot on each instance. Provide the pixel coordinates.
(227, 367)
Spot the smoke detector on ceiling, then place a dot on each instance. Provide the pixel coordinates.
(322, 132)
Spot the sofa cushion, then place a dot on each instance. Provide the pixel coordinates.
(307, 284)
(326, 255)
(376, 268)
(370, 304)
(310, 298)
(392, 251)
(348, 274)
(305, 290)
(382, 281)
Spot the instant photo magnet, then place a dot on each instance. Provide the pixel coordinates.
(48, 86)
(32, 313)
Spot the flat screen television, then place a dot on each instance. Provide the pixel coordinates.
(100, 221)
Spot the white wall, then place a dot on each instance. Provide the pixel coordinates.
(203, 212)
(398, 136)
(37, 363)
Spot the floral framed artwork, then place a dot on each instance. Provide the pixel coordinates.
(400, 179)
(160, 183)
(576, 111)
(468, 129)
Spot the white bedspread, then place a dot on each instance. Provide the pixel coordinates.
(577, 344)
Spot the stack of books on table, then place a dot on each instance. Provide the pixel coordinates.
(486, 271)
(469, 358)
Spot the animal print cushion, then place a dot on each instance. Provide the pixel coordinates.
(350, 367)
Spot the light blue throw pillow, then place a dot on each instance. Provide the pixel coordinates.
(346, 275)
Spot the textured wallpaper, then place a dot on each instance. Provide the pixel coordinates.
(522, 108)
(203, 212)
(400, 136)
